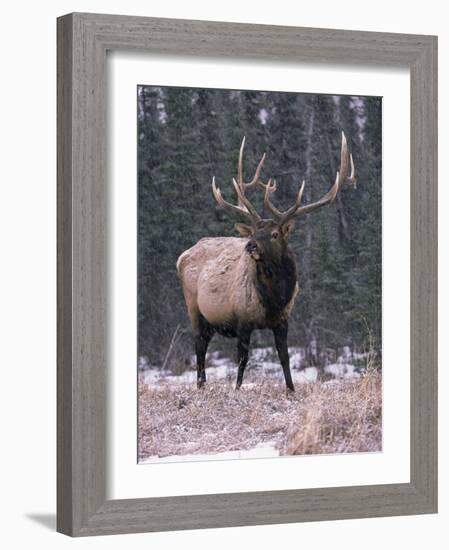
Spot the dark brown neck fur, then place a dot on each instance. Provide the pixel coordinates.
(275, 284)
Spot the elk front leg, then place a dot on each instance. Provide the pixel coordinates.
(280, 337)
(244, 338)
(203, 335)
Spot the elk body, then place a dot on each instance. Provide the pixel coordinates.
(234, 285)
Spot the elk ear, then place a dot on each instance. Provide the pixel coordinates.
(287, 228)
(244, 230)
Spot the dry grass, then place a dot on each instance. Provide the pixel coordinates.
(323, 417)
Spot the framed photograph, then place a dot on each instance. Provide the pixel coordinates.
(247, 249)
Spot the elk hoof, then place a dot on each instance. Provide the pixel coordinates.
(289, 392)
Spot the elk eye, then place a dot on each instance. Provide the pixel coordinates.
(274, 234)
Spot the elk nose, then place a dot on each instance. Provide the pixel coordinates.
(251, 246)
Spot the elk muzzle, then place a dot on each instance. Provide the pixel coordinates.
(253, 250)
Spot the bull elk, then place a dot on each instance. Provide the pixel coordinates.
(233, 285)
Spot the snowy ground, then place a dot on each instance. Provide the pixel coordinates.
(262, 450)
(263, 363)
(337, 412)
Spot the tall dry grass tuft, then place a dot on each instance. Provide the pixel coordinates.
(339, 418)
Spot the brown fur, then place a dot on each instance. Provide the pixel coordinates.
(218, 281)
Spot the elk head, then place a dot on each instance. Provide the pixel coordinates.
(269, 237)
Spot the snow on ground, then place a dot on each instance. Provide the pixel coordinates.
(263, 450)
(342, 370)
(263, 363)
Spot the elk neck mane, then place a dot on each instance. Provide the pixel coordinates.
(275, 282)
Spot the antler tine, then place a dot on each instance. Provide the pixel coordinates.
(240, 165)
(270, 187)
(256, 177)
(282, 216)
(293, 209)
(233, 209)
(245, 201)
(352, 180)
(255, 181)
(346, 160)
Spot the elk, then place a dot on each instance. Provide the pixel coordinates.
(234, 285)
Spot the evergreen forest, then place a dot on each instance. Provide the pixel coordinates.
(187, 135)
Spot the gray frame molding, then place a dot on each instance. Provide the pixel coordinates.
(83, 40)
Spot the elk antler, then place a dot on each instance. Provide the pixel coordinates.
(340, 179)
(255, 181)
(244, 209)
(278, 215)
(248, 214)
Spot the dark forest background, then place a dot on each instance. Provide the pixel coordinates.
(186, 136)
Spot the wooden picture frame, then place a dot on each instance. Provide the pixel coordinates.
(83, 40)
